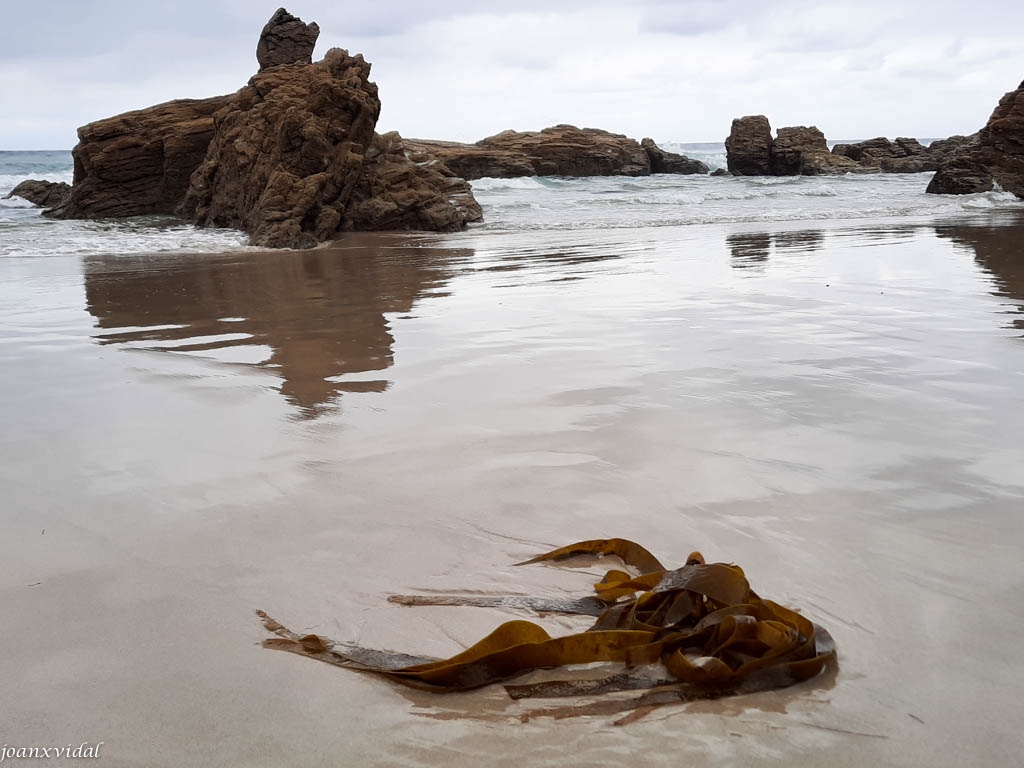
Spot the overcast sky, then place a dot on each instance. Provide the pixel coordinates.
(461, 69)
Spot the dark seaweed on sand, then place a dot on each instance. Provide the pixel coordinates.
(711, 634)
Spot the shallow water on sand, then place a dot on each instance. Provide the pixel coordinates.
(190, 437)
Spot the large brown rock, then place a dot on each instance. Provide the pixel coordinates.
(796, 151)
(288, 152)
(671, 162)
(292, 158)
(139, 162)
(749, 146)
(286, 40)
(786, 157)
(45, 194)
(561, 150)
(994, 156)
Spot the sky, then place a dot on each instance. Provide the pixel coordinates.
(676, 70)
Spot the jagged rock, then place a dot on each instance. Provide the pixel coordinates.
(288, 152)
(796, 151)
(788, 149)
(749, 146)
(291, 158)
(903, 155)
(286, 40)
(670, 162)
(721, 172)
(396, 193)
(139, 162)
(561, 150)
(45, 194)
(994, 156)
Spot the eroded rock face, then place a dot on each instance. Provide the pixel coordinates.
(286, 40)
(140, 162)
(749, 146)
(788, 149)
(288, 152)
(396, 193)
(670, 162)
(561, 150)
(45, 194)
(994, 156)
(796, 151)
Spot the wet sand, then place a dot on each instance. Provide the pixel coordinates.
(188, 438)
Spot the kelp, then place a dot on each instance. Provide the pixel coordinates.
(711, 634)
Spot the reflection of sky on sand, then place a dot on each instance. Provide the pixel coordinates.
(317, 318)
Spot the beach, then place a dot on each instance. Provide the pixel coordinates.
(833, 402)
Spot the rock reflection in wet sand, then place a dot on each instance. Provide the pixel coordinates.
(310, 316)
(999, 250)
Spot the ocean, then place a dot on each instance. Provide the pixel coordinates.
(523, 204)
(820, 379)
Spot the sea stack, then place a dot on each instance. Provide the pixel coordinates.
(995, 155)
(796, 151)
(292, 158)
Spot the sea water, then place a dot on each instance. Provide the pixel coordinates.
(523, 204)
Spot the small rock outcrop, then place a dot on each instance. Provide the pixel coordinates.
(795, 151)
(45, 194)
(286, 40)
(902, 155)
(292, 158)
(671, 162)
(395, 193)
(994, 156)
(749, 146)
(561, 150)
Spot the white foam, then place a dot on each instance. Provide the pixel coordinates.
(9, 181)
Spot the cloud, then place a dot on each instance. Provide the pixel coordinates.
(671, 69)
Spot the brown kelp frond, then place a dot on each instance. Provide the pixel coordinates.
(629, 552)
(709, 631)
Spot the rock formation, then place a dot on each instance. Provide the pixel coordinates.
(140, 162)
(670, 162)
(42, 193)
(796, 151)
(749, 146)
(994, 156)
(802, 151)
(286, 40)
(292, 158)
(903, 155)
(394, 193)
(561, 150)
(287, 153)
